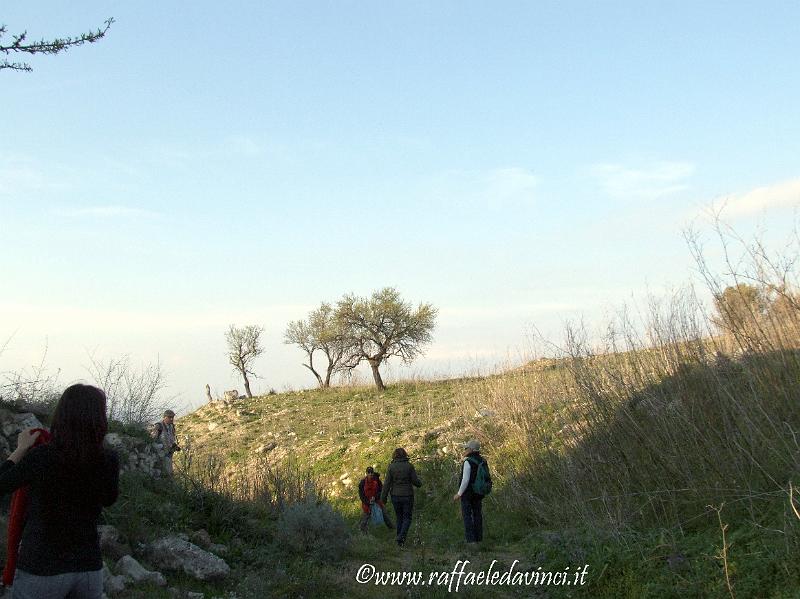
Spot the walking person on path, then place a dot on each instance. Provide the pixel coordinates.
(68, 481)
(369, 491)
(400, 476)
(476, 483)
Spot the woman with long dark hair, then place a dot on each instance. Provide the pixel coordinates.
(70, 479)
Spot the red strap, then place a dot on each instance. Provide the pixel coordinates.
(16, 518)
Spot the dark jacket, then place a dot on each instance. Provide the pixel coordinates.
(399, 477)
(370, 489)
(60, 533)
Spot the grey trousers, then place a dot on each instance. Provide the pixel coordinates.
(71, 585)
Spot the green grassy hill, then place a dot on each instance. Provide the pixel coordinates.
(582, 478)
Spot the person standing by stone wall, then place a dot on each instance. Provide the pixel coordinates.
(163, 433)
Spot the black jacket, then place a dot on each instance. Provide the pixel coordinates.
(60, 533)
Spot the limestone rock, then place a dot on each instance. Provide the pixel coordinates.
(266, 448)
(114, 441)
(201, 537)
(111, 544)
(174, 553)
(129, 566)
(113, 584)
(13, 424)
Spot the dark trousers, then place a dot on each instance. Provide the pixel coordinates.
(473, 516)
(403, 508)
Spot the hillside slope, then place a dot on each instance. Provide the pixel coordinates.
(532, 422)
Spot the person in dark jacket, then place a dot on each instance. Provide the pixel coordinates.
(400, 476)
(369, 490)
(70, 480)
(471, 502)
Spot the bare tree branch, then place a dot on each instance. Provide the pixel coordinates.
(54, 46)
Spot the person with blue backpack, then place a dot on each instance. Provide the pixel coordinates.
(476, 483)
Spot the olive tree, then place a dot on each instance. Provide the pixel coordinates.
(244, 346)
(739, 307)
(383, 326)
(321, 331)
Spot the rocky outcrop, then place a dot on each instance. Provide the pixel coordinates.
(113, 584)
(178, 554)
(128, 566)
(136, 453)
(111, 543)
(11, 424)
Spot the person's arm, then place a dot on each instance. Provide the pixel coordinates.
(388, 486)
(17, 471)
(361, 491)
(467, 472)
(414, 478)
(110, 488)
(380, 488)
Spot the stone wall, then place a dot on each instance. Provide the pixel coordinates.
(134, 453)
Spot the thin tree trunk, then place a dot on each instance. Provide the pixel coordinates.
(328, 376)
(247, 386)
(316, 374)
(376, 374)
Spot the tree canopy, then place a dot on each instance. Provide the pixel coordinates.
(244, 346)
(383, 326)
(321, 331)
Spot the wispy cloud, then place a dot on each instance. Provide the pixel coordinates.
(24, 177)
(785, 194)
(509, 186)
(242, 145)
(61, 318)
(460, 314)
(498, 187)
(653, 181)
(182, 154)
(110, 211)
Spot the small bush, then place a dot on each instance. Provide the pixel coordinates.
(313, 527)
(137, 431)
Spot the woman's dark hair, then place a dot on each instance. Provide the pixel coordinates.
(79, 422)
(399, 454)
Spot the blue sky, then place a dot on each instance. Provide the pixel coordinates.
(515, 164)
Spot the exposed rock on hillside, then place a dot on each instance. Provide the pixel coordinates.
(177, 553)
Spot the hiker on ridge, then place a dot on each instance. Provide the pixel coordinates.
(400, 477)
(476, 483)
(163, 432)
(369, 490)
(65, 484)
